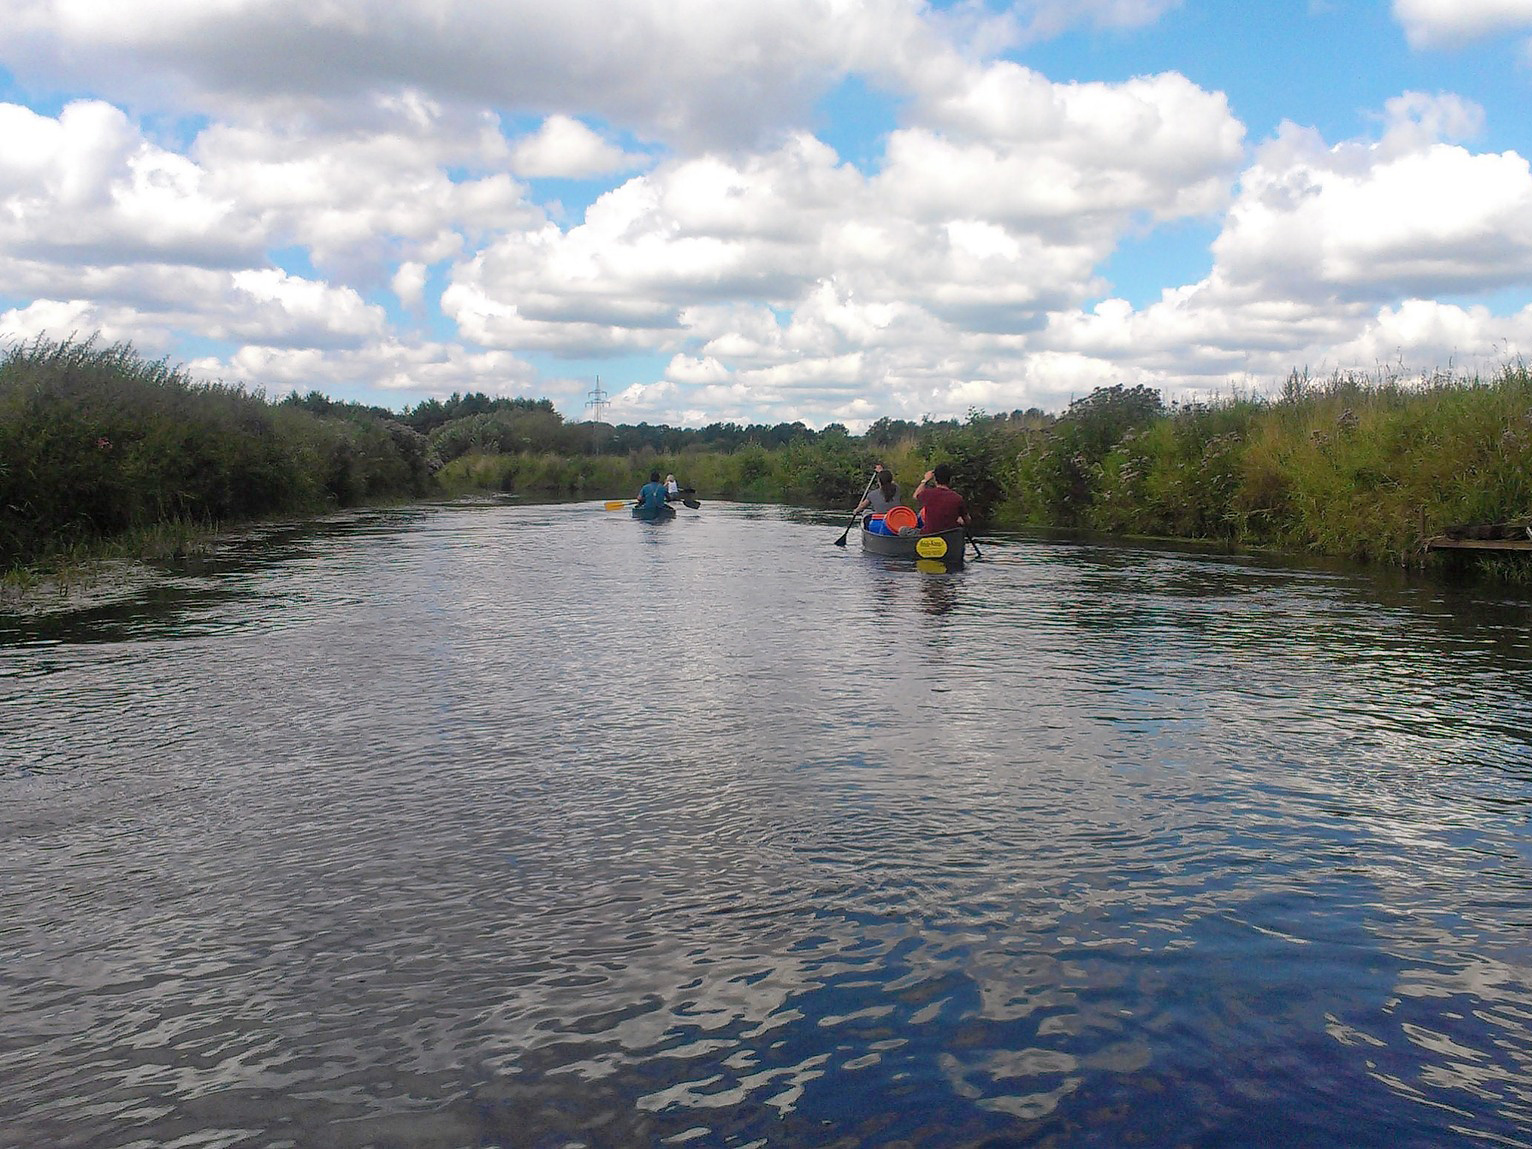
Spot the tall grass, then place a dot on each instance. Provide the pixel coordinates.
(96, 442)
(1353, 466)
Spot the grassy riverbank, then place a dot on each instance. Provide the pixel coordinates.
(98, 444)
(1350, 467)
(102, 449)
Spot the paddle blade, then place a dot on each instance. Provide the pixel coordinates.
(692, 503)
(617, 504)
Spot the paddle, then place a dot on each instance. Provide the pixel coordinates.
(974, 543)
(840, 542)
(618, 504)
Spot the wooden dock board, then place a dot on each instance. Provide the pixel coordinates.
(1444, 543)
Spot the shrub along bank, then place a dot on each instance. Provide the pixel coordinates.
(97, 442)
(1350, 467)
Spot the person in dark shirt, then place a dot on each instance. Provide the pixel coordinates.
(941, 508)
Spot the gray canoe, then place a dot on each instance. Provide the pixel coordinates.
(945, 547)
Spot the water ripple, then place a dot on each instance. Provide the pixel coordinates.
(506, 825)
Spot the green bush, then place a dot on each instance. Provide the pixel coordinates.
(98, 441)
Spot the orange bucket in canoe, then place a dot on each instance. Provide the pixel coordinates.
(899, 517)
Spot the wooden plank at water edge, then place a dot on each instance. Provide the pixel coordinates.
(1515, 535)
(1444, 543)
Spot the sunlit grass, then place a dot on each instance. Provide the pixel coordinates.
(1352, 467)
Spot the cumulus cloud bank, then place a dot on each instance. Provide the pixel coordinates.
(372, 199)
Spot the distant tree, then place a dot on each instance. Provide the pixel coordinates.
(724, 436)
(1062, 472)
(425, 416)
(784, 433)
(886, 432)
(315, 402)
(1098, 421)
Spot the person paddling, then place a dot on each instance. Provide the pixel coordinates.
(651, 496)
(883, 497)
(941, 508)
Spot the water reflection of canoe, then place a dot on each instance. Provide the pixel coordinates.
(945, 547)
(654, 514)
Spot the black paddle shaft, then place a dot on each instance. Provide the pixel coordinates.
(840, 542)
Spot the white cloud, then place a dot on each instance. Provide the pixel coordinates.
(409, 284)
(1450, 23)
(708, 71)
(345, 150)
(564, 148)
(688, 233)
(1328, 259)
(70, 319)
(88, 186)
(689, 369)
(149, 304)
(1425, 331)
(359, 200)
(1045, 19)
(1417, 119)
(389, 366)
(1406, 215)
(287, 311)
(987, 232)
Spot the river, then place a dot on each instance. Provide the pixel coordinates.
(489, 824)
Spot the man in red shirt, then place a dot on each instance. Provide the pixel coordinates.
(941, 508)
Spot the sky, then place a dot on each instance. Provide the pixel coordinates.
(761, 212)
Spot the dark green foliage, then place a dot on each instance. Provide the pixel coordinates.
(1348, 467)
(829, 470)
(1060, 469)
(886, 432)
(430, 414)
(507, 431)
(979, 453)
(97, 441)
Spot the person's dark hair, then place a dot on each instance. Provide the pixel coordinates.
(942, 473)
(654, 476)
(886, 483)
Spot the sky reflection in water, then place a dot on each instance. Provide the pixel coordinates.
(531, 825)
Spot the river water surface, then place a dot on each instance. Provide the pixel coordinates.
(503, 825)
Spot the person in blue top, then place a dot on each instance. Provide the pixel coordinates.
(652, 497)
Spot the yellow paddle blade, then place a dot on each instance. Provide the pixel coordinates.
(617, 504)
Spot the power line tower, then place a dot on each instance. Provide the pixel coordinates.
(597, 402)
